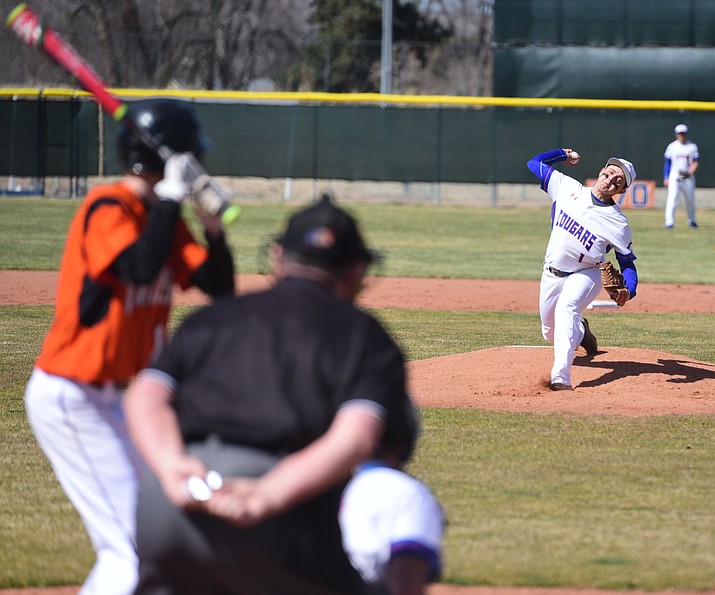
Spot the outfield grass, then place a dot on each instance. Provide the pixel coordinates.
(606, 502)
(420, 240)
(542, 500)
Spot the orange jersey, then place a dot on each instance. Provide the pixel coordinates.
(129, 322)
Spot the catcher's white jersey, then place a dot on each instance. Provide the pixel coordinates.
(681, 156)
(384, 512)
(581, 231)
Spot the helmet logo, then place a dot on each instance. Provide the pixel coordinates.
(320, 237)
(145, 120)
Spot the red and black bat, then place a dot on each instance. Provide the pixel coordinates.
(29, 27)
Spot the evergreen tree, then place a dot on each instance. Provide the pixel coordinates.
(347, 48)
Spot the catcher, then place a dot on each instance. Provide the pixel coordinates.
(586, 224)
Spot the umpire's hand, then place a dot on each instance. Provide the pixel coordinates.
(242, 502)
(174, 476)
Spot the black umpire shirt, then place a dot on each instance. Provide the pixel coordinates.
(270, 370)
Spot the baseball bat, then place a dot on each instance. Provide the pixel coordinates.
(29, 27)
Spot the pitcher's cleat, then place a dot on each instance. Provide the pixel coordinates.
(589, 342)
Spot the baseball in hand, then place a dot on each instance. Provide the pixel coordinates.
(573, 158)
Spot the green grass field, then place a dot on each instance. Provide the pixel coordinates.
(424, 241)
(540, 500)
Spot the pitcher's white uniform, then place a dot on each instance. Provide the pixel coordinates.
(385, 512)
(583, 230)
(678, 159)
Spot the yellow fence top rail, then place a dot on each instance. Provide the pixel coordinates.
(366, 98)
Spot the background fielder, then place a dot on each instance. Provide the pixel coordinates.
(586, 223)
(681, 162)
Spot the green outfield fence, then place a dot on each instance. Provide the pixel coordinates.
(620, 49)
(372, 137)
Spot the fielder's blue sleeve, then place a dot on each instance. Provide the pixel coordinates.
(666, 168)
(541, 165)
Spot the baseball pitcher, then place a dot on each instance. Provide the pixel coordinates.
(586, 224)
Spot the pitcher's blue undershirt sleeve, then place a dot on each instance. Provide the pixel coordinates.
(541, 165)
(630, 274)
(548, 158)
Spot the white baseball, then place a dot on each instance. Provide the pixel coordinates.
(196, 490)
(574, 157)
(214, 480)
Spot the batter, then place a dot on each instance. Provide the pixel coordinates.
(585, 225)
(681, 163)
(125, 249)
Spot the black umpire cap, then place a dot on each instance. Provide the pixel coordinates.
(326, 236)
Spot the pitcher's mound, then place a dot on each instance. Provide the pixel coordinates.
(615, 381)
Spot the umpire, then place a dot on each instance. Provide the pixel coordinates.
(283, 392)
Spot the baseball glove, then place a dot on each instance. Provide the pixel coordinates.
(612, 281)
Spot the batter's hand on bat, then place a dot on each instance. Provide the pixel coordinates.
(209, 196)
(181, 171)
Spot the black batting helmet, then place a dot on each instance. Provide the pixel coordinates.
(170, 122)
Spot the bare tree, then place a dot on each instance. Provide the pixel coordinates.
(240, 45)
(115, 36)
(255, 39)
(463, 65)
(224, 44)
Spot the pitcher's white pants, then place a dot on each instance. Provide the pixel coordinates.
(561, 301)
(675, 187)
(82, 431)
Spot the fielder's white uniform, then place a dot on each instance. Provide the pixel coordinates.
(385, 512)
(678, 159)
(583, 230)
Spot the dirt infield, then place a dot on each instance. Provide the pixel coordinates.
(504, 378)
(38, 287)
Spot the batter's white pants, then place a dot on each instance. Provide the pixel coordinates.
(82, 431)
(675, 188)
(561, 301)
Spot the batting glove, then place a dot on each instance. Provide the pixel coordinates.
(181, 171)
